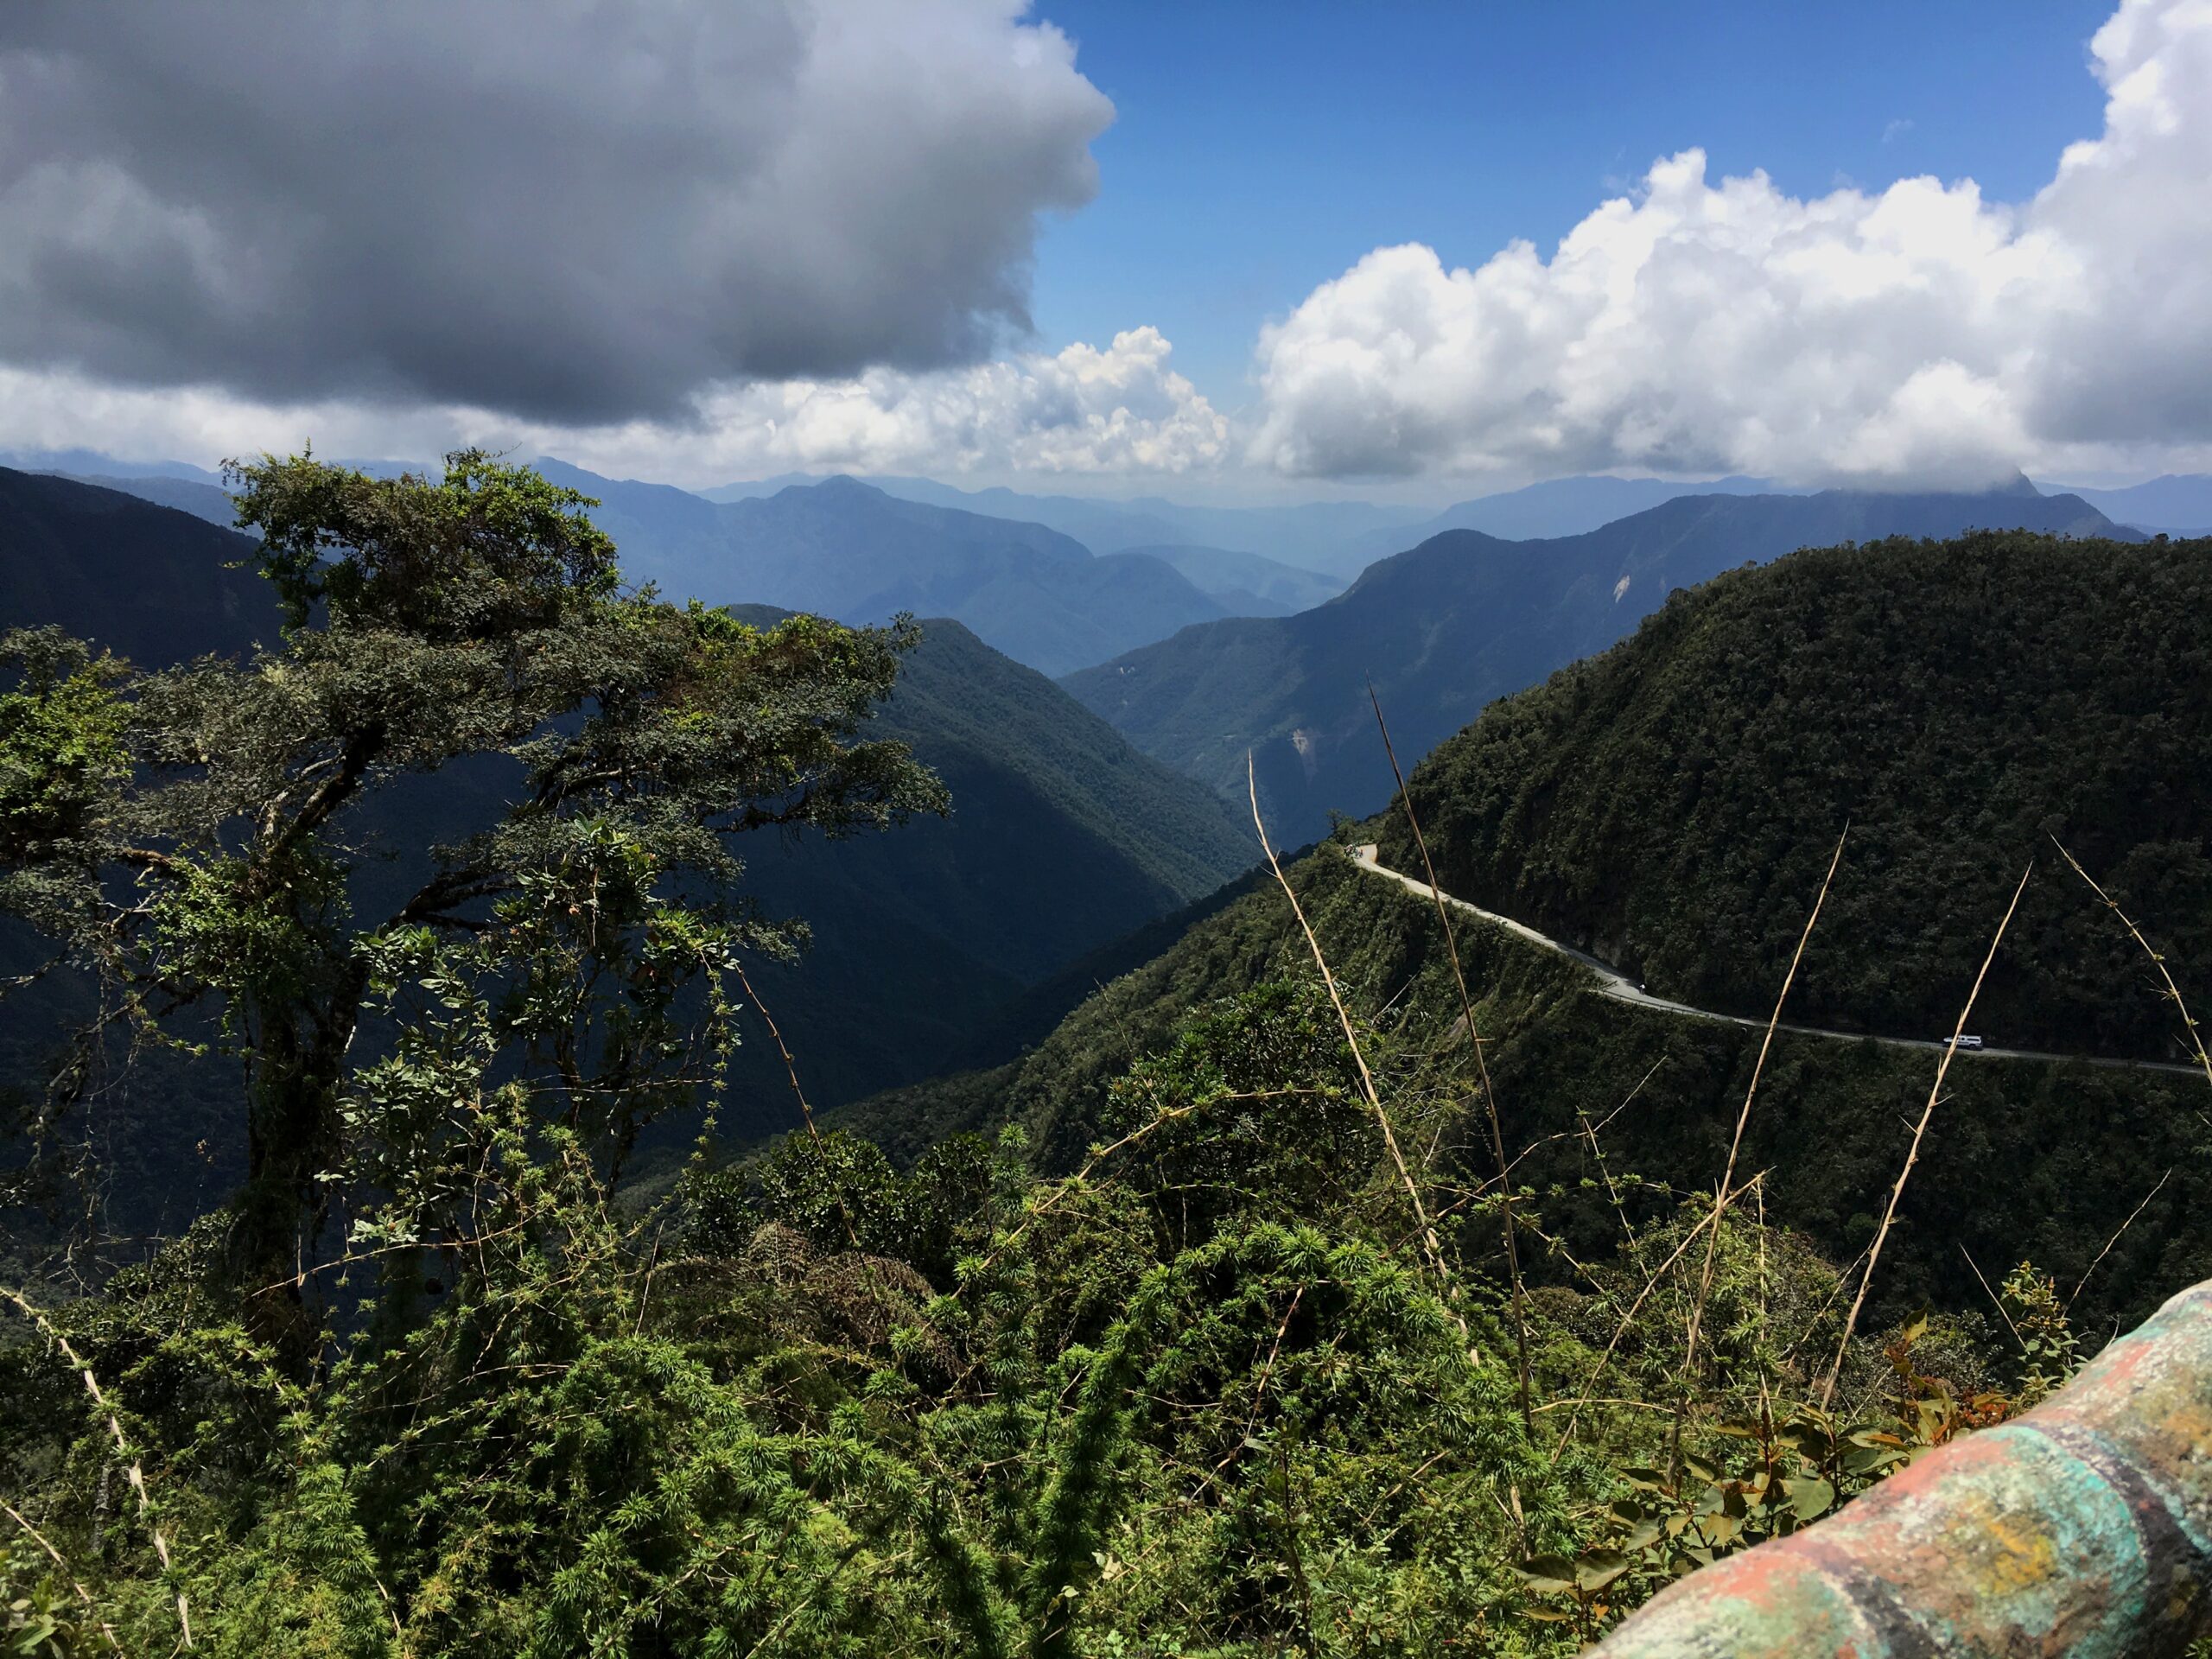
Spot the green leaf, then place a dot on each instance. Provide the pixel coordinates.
(1548, 1575)
(1810, 1499)
(1867, 1460)
(1598, 1567)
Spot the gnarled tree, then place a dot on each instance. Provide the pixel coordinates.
(206, 837)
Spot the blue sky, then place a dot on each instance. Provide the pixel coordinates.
(1259, 148)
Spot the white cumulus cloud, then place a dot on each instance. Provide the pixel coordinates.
(1085, 410)
(1920, 334)
(1081, 411)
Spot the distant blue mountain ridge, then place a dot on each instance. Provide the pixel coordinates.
(1057, 582)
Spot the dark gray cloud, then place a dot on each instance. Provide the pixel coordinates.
(567, 211)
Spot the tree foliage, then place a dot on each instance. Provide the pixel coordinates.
(190, 835)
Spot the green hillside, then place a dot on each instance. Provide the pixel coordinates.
(1671, 804)
(2032, 1159)
(1444, 629)
(1235, 1339)
(1674, 802)
(1062, 838)
(144, 581)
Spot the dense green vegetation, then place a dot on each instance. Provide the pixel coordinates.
(1192, 1332)
(1966, 707)
(2033, 1159)
(1464, 619)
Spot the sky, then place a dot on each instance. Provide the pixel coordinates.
(1223, 251)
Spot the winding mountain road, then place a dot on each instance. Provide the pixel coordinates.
(1613, 984)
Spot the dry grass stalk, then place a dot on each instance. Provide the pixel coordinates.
(2124, 1226)
(1631, 1238)
(1735, 1145)
(1650, 1283)
(1912, 1154)
(1482, 1066)
(2157, 959)
(135, 1472)
(1432, 1247)
(1996, 1301)
(790, 1070)
(1581, 1133)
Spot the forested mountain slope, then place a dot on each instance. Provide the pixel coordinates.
(1460, 620)
(144, 581)
(1062, 839)
(207, 501)
(1671, 803)
(2030, 1158)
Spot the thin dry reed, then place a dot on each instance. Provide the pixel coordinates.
(1735, 1145)
(790, 1070)
(2158, 960)
(2114, 1239)
(134, 1471)
(1650, 1283)
(1912, 1154)
(83, 1594)
(1432, 1247)
(1482, 1066)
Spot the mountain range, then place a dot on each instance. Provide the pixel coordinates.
(1317, 535)
(849, 550)
(1245, 561)
(2176, 503)
(1560, 506)
(1443, 629)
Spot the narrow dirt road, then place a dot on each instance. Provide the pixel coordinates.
(1613, 984)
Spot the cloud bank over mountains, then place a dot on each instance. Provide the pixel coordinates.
(698, 242)
(1917, 335)
(1121, 410)
(565, 211)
